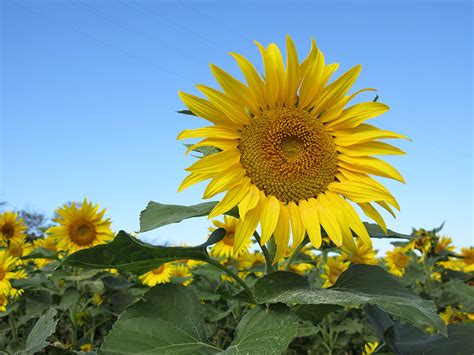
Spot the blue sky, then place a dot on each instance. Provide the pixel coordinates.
(89, 94)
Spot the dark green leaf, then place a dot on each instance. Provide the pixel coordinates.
(167, 321)
(376, 232)
(186, 112)
(42, 329)
(264, 331)
(156, 214)
(357, 286)
(41, 253)
(215, 237)
(314, 312)
(127, 253)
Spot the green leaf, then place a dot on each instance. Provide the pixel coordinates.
(264, 331)
(127, 253)
(404, 339)
(41, 253)
(186, 112)
(42, 329)
(156, 214)
(315, 312)
(357, 286)
(376, 232)
(456, 291)
(167, 321)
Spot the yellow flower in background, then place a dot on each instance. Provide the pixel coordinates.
(333, 268)
(160, 275)
(86, 347)
(80, 227)
(468, 259)
(444, 243)
(300, 268)
(225, 248)
(452, 264)
(423, 244)
(49, 243)
(370, 348)
(12, 228)
(291, 156)
(3, 303)
(182, 271)
(9, 272)
(18, 249)
(98, 299)
(361, 254)
(397, 261)
(453, 315)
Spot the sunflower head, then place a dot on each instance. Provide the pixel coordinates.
(80, 226)
(397, 261)
(161, 274)
(12, 228)
(289, 153)
(9, 271)
(225, 247)
(333, 268)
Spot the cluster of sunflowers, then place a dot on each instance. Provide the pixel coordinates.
(293, 164)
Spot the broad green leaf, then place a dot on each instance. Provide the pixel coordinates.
(314, 312)
(42, 329)
(264, 331)
(156, 214)
(357, 286)
(127, 253)
(168, 320)
(456, 291)
(41, 253)
(404, 339)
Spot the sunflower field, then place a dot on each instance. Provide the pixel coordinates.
(287, 265)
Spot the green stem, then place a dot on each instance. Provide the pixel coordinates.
(295, 253)
(13, 326)
(233, 275)
(266, 254)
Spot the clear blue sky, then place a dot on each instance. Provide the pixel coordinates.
(89, 94)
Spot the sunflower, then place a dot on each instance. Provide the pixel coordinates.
(80, 226)
(468, 259)
(453, 315)
(3, 303)
(333, 267)
(225, 248)
(182, 271)
(12, 228)
(290, 155)
(397, 261)
(160, 275)
(362, 254)
(444, 244)
(19, 248)
(49, 243)
(369, 348)
(8, 272)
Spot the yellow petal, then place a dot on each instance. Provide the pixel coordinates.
(220, 132)
(335, 91)
(231, 199)
(234, 111)
(282, 233)
(359, 191)
(269, 216)
(245, 228)
(370, 165)
(234, 88)
(225, 180)
(192, 179)
(271, 76)
(254, 81)
(297, 227)
(328, 220)
(373, 214)
(357, 114)
(215, 162)
(292, 81)
(204, 109)
(312, 84)
(249, 202)
(309, 216)
(370, 148)
(361, 134)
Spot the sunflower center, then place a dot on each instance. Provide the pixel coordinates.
(228, 239)
(159, 270)
(8, 231)
(82, 233)
(401, 260)
(289, 154)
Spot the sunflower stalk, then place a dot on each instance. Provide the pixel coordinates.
(266, 253)
(232, 274)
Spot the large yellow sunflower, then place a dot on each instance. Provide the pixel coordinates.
(290, 155)
(12, 228)
(8, 272)
(80, 226)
